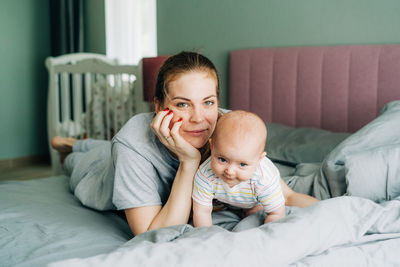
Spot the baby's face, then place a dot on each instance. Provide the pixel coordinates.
(235, 160)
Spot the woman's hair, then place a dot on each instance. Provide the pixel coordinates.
(179, 64)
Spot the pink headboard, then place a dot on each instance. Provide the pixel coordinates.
(151, 66)
(337, 88)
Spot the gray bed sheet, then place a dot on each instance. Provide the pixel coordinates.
(41, 221)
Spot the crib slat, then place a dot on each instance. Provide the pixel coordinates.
(88, 99)
(118, 102)
(130, 100)
(107, 111)
(112, 86)
(98, 78)
(65, 103)
(125, 114)
(56, 102)
(77, 103)
(135, 96)
(127, 98)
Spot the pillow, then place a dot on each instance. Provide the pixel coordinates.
(300, 145)
(382, 131)
(285, 170)
(302, 181)
(374, 174)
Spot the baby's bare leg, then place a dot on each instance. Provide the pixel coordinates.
(63, 145)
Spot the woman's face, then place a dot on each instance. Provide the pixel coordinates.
(192, 96)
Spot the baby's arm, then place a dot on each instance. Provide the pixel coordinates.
(201, 215)
(276, 214)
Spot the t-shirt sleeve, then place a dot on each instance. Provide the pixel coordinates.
(203, 192)
(134, 184)
(268, 188)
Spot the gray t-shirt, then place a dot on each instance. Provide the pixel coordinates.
(144, 168)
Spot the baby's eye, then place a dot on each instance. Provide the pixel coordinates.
(209, 103)
(221, 159)
(182, 105)
(243, 164)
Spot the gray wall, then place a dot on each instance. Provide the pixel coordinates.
(216, 27)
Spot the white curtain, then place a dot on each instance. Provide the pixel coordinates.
(131, 30)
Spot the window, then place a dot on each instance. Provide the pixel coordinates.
(131, 30)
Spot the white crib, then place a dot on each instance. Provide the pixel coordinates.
(90, 96)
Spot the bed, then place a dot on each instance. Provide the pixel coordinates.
(333, 120)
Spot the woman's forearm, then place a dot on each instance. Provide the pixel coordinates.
(177, 209)
(300, 200)
(293, 198)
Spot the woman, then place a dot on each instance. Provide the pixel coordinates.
(156, 156)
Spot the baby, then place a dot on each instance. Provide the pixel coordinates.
(237, 172)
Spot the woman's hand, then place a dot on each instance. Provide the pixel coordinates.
(171, 137)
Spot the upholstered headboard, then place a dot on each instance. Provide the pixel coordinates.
(337, 88)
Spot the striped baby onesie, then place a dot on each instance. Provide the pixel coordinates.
(264, 187)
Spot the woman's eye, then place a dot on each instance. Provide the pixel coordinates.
(221, 159)
(182, 105)
(209, 103)
(243, 164)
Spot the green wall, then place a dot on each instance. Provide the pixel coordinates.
(95, 27)
(213, 27)
(24, 45)
(216, 27)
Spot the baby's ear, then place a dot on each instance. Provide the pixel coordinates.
(210, 142)
(264, 154)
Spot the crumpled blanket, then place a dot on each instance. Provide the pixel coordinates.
(343, 231)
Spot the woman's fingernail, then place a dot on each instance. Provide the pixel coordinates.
(170, 112)
(166, 109)
(180, 119)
